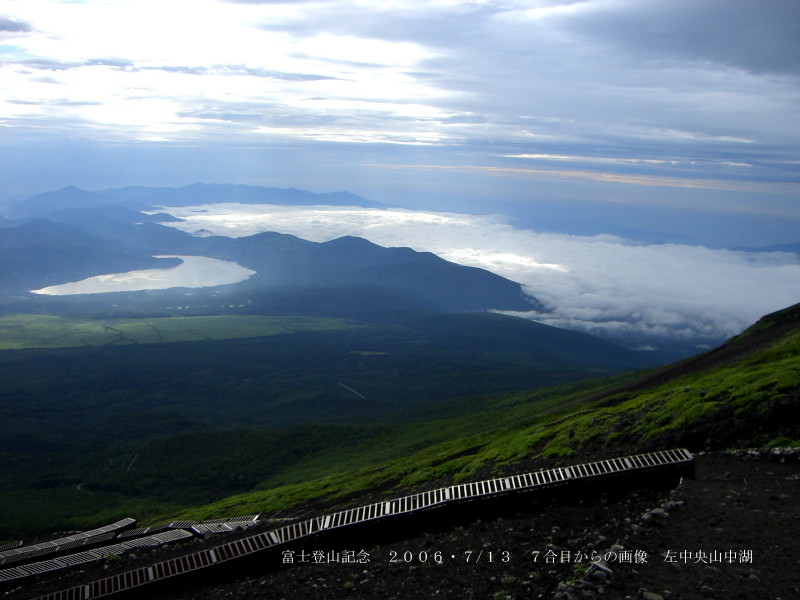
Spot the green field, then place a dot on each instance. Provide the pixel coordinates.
(20, 330)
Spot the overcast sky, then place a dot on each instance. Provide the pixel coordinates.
(676, 115)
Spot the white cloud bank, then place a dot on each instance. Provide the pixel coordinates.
(601, 284)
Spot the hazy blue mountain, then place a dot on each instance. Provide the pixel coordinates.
(282, 259)
(112, 239)
(91, 233)
(202, 193)
(40, 253)
(454, 288)
(66, 198)
(141, 198)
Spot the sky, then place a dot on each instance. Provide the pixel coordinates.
(674, 116)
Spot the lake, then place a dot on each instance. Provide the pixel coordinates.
(193, 272)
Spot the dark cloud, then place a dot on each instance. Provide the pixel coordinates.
(47, 79)
(434, 26)
(282, 74)
(54, 103)
(110, 62)
(178, 69)
(268, 1)
(390, 127)
(757, 36)
(642, 79)
(358, 64)
(465, 119)
(238, 70)
(219, 115)
(44, 64)
(14, 26)
(124, 64)
(76, 103)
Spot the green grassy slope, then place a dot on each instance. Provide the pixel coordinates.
(120, 422)
(745, 393)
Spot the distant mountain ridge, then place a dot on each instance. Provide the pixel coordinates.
(81, 234)
(40, 253)
(202, 193)
(141, 198)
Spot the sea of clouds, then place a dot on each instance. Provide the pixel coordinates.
(601, 284)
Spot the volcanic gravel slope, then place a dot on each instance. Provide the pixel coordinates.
(733, 532)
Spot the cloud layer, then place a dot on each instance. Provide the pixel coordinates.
(624, 110)
(601, 284)
(641, 93)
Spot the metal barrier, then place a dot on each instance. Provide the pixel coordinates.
(363, 514)
(19, 552)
